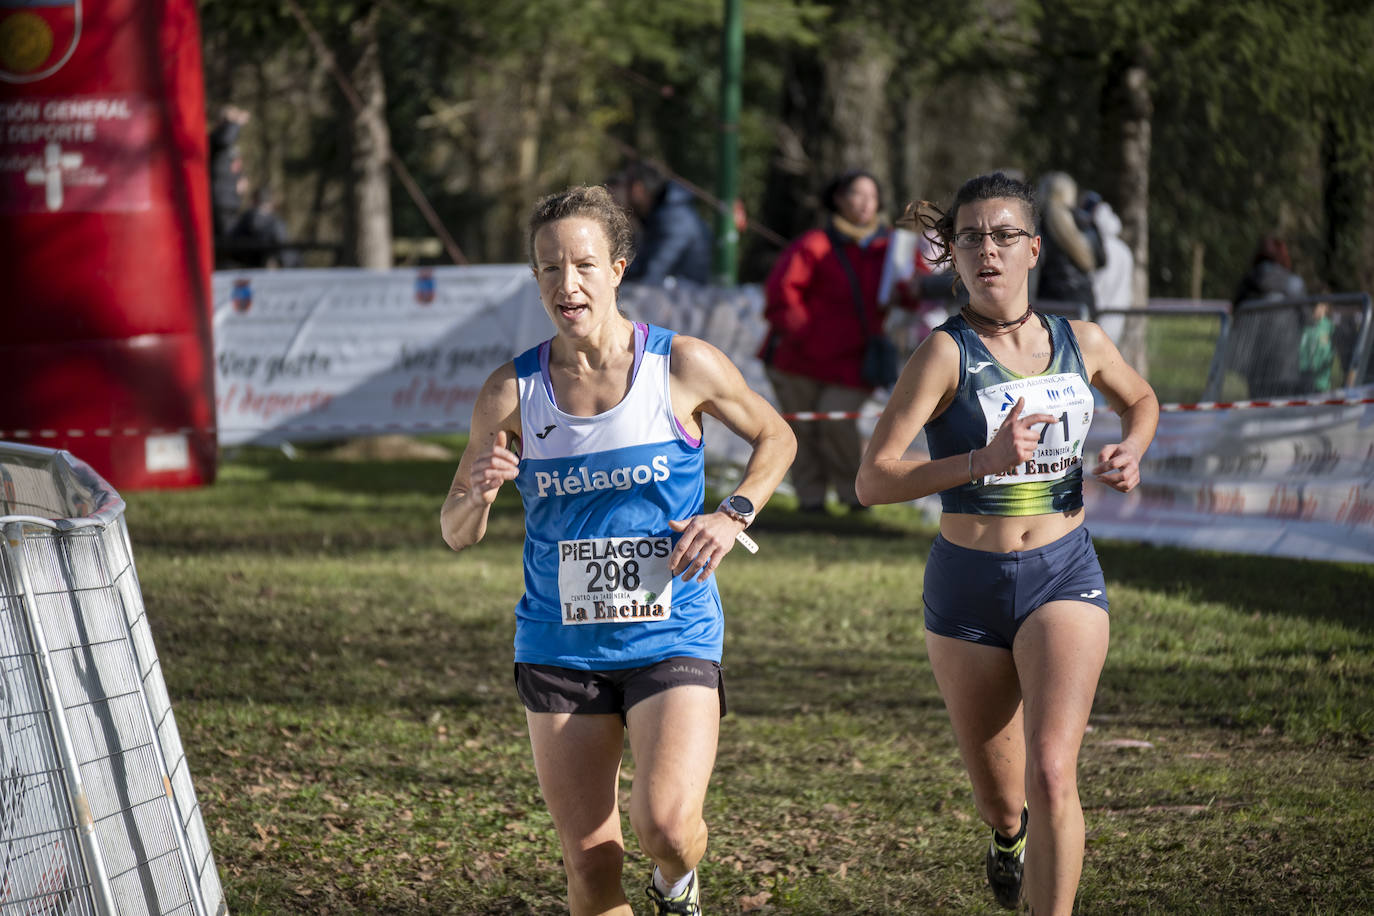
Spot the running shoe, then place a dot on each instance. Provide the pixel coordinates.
(1006, 862)
(688, 903)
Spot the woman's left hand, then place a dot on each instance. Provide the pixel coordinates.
(1118, 466)
(705, 541)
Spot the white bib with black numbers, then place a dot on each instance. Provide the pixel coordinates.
(1067, 398)
(615, 580)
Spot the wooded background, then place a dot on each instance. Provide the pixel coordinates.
(1205, 123)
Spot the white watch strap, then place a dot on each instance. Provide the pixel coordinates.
(747, 542)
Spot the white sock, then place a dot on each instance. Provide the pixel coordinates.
(676, 890)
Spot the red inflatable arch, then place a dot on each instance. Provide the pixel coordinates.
(105, 253)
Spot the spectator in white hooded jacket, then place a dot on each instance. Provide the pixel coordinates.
(1112, 281)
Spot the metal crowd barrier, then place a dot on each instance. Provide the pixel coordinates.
(1263, 344)
(1249, 352)
(1182, 345)
(98, 814)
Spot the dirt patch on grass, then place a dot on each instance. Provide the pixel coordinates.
(390, 448)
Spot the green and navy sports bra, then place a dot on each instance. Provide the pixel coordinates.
(1052, 479)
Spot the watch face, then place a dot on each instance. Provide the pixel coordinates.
(741, 504)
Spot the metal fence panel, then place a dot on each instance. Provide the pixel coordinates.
(42, 867)
(98, 812)
(1267, 354)
(160, 709)
(1173, 346)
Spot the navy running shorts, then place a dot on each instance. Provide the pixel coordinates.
(549, 688)
(984, 597)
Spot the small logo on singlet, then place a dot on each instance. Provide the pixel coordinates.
(980, 367)
(547, 429)
(1095, 593)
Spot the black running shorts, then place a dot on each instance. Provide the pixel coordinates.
(548, 688)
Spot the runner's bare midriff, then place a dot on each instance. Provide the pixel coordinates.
(1006, 533)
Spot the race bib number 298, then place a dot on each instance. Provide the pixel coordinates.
(615, 580)
(1067, 398)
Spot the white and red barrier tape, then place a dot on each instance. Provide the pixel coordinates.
(1165, 408)
(801, 416)
(351, 428)
(1296, 402)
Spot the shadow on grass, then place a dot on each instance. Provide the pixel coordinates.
(1257, 698)
(296, 524)
(859, 525)
(294, 538)
(427, 662)
(381, 478)
(1338, 592)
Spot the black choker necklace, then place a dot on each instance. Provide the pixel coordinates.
(984, 323)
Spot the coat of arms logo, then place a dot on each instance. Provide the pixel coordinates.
(37, 37)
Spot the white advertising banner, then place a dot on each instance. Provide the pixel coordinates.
(310, 354)
(1285, 481)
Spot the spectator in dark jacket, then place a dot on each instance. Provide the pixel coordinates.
(675, 241)
(1270, 275)
(1070, 246)
(227, 181)
(262, 233)
(1264, 341)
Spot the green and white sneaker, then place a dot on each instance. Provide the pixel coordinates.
(1006, 863)
(688, 903)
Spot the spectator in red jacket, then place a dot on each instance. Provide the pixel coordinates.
(815, 343)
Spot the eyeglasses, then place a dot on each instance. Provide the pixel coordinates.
(1002, 238)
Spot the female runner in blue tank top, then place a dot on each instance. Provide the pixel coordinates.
(620, 627)
(1015, 602)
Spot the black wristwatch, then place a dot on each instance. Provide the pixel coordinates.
(738, 507)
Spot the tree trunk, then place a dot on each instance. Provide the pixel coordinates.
(832, 116)
(1128, 109)
(857, 64)
(536, 98)
(789, 204)
(1345, 196)
(371, 146)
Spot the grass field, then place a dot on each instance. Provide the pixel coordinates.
(342, 683)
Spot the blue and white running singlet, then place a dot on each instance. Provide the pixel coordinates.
(598, 494)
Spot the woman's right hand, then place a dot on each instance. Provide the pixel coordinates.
(1014, 442)
(494, 466)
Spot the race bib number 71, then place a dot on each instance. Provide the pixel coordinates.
(615, 580)
(1067, 398)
